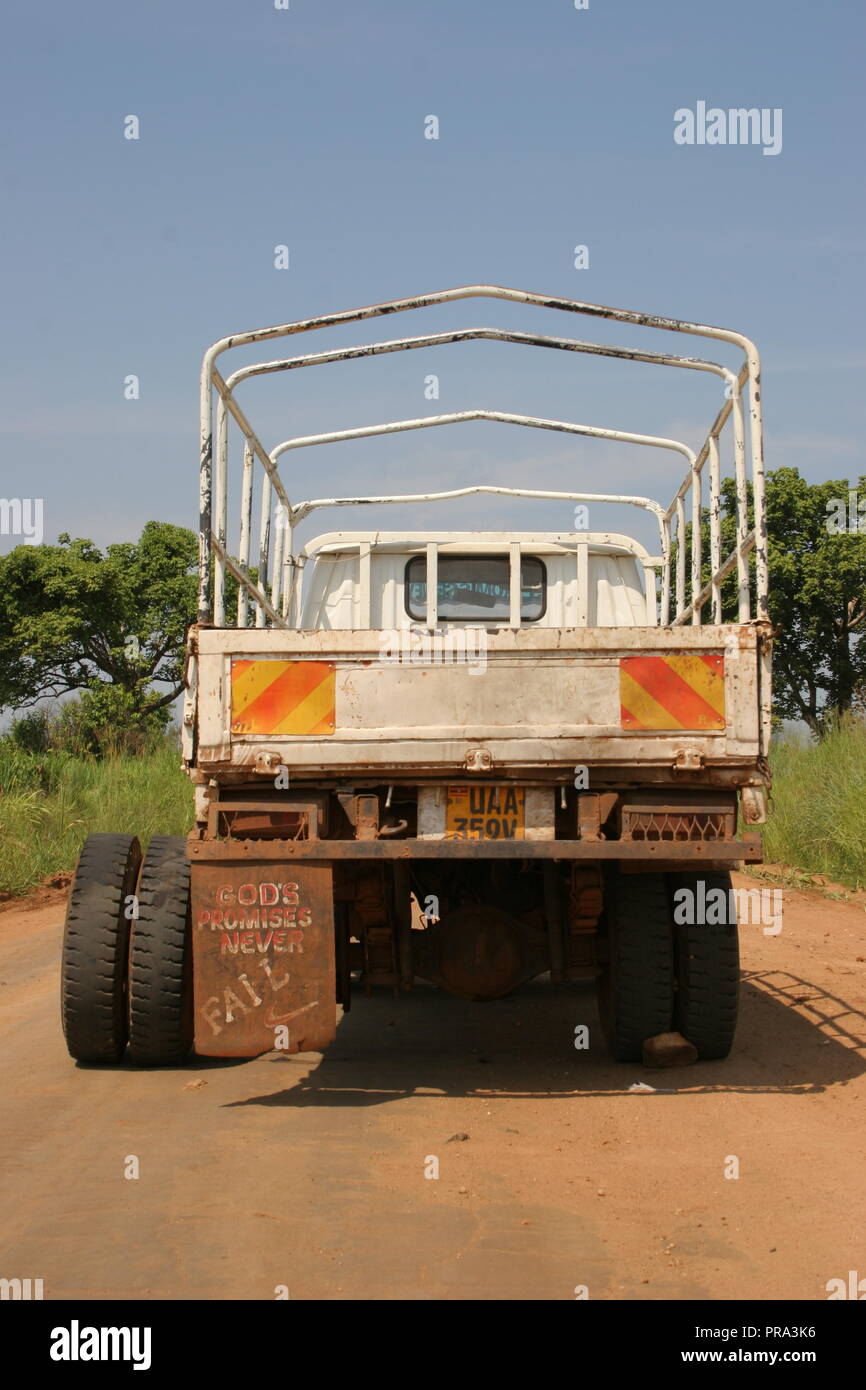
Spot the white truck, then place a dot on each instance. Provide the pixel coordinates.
(470, 758)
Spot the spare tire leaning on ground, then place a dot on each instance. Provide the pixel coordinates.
(160, 987)
(96, 948)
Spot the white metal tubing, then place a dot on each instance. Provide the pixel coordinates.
(264, 544)
(279, 549)
(666, 571)
(371, 311)
(249, 433)
(246, 528)
(205, 540)
(594, 431)
(651, 441)
(366, 542)
(306, 508)
(743, 596)
(646, 503)
(465, 335)
(259, 594)
(515, 585)
(715, 430)
(625, 542)
(303, 509)
(649, 578)
(762, 578)
(583, 580)
(505, 417)
(696, 542)
(733, 404)
(724, 570)
(740, 467)
(293, 612)
(365, 585)
(209, 377)
(221, 514)
(715, 529)
(432, 572)
(487, 542)
(288, 569)
(681, 556)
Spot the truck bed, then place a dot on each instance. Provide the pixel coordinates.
(340, 703)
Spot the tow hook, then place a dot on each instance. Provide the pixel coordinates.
(478, 760)
(266, 764)
(686, 761)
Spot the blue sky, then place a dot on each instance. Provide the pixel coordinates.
(306, 127)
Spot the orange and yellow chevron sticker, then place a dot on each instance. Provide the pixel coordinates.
(672, 692)
(283, 697)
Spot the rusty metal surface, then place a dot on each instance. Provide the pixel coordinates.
(366, 817)
(699, 816)
(300, 820)
(263, 956)
(479, 952)
(589, 816)
(748, 849)
(585, 899)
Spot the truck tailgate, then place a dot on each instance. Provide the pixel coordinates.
(332, 702)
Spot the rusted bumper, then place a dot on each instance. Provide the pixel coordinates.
(651, 852)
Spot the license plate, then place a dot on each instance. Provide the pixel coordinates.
(485, 813)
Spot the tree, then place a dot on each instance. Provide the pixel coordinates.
(817, 561)
(111, 624)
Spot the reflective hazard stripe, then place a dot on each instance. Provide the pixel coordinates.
(283, 697)
(672, 692)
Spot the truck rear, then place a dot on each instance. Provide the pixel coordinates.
(466, 757)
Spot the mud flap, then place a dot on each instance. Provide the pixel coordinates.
(263, 958)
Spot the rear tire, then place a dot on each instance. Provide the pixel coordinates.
(160, 988)
(707, 965)
(96, 948)
(636, 984)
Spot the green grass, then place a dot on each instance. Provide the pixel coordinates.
(817, 817)
(50, 802)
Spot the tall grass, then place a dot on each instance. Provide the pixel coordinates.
(50, 802)
(818, 812)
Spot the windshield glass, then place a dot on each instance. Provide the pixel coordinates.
(476, 588)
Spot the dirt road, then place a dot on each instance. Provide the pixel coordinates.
(309, 1172)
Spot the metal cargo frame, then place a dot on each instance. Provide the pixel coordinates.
(273, 601)
(273, 595)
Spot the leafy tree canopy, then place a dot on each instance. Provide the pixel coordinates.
(75, 618)
(817, 560)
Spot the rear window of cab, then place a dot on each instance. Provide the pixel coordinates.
(476, 588)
